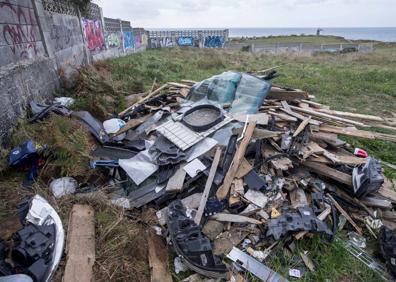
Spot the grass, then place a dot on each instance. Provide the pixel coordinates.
(306, 39)
(364, 83)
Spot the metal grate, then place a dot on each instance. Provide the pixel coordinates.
(183, 137)
(60, 7)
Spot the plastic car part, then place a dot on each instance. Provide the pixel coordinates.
(42, 111)
(214, 206)
(252, 265)
(94, 126)
(387, 246)
(191, 245)
(202, 117)
(33, 249)
(38, 246)
(254, 181)
(367, 178)
(302, 220)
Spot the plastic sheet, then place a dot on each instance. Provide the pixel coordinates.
(220, 88)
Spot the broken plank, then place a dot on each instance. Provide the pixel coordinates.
(329, 172)
(260, 118)
(234, 218)
(208, 186)
(301, 127)
(282, 116)
(286, 108)
(158, 258)
(351, 131)
(244, 168)
(351, 115)
(132, 124)
(331, 117)
(377, 203)
(151, 94)
(80, 245)
(222, 192)
(346, 215)
(287, 95)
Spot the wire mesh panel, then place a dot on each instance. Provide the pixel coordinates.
(60, 7)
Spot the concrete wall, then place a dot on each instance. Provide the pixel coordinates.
(39, 38)
(188, 38)
(20, 37)
(66, 39)
(20, 84)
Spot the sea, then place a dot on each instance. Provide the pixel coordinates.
(385, 34)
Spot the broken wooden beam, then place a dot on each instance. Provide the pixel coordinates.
(158, 258)
(222, 192)
(208, 186)
(329, 172)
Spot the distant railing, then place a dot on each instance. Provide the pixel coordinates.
(301, 47)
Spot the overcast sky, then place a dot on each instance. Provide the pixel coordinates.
(252, 13)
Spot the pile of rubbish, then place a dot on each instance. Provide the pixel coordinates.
(234, 167)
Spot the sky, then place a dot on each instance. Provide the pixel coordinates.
(252, 13)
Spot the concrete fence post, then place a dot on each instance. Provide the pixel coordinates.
(43, 27)
(86, 51)
(341, 47)
(122, 37)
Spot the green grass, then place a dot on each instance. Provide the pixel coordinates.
(306, 39)
(364, 83)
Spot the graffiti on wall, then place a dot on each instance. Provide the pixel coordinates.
(185, 41)
(214, 41)
(162, 42)
(138, 41)
(61, 36)
(113, 39)
(22, 33)
(93, 34)
(128, 39)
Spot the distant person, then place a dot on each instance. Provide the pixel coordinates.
(318, 31)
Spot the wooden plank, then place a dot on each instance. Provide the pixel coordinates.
(151, 94)
(351, 115)
(329, 172)
(208, 186)
(301, 127)
(308, 262)
(158, 258)
(80, 245)
(132, 124)
(351, 131)
(346, 215)
(179, 85)
(244, 168)
(286, 108)
(331, 117)
(175, 183)
(315, 104)
(377, 203)
(282, 116)
(260, 118)
(227, 217)
(222, 192)
(287, 95)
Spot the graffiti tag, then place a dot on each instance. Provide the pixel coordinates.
(185, 41)
(113, 39)
(93, 34)
(128, 39)
(214, 41)
(20, 37)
